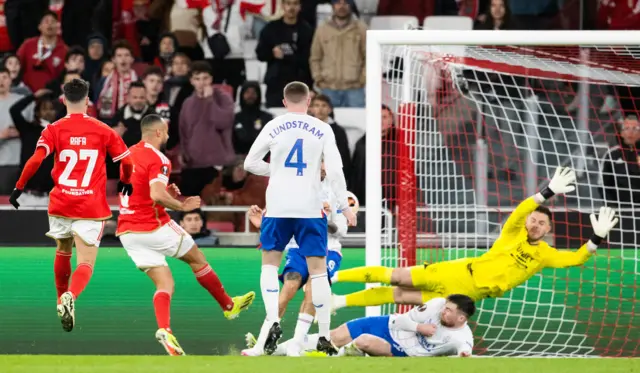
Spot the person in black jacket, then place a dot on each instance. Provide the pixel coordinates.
(620, 170)
(250, 119)
(285, 45)
(322, 109)
(37, 189)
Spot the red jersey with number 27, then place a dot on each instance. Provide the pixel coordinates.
(80, 145)
(138, 212)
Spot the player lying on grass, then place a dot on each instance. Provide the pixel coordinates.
(437, 328)
(78, 204)
(295, 273)
(516, 256)
(149, 235)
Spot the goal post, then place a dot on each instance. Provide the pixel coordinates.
(443, 196)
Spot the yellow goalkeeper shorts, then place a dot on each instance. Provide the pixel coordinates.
(446, 278)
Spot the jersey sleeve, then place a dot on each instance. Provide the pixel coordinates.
(464, 346)
(333, 166)
(47, 141)
(254, 161)
(116, 147)
(159, 172)
(566, 258)
(425, 312)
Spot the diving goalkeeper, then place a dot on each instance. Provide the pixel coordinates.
(515, 256)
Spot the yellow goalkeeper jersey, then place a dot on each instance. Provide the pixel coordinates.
(512, 260)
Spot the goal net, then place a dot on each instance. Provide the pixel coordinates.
(478, 128)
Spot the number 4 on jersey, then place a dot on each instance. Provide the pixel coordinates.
(299, 164)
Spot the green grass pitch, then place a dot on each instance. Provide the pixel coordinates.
(239, 364)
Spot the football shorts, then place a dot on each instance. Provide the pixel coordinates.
(445, 278)
(310, 234)
(377, 326)
(297, 263)
(89, 231)
(148, 250)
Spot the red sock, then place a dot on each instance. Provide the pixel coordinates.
(210, 281)
(162, 307)
(80, 278)
(62, 271)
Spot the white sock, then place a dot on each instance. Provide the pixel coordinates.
(339, 301)
(311, 342)
(302, 327)
(270, 290)
(321, 298)
(281, 350)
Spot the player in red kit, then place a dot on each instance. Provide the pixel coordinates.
(149, 235)
(77, 204)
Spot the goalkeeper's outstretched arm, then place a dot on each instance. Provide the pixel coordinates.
(562, 182)
(602, 225)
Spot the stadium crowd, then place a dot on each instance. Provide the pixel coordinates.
(194, 62)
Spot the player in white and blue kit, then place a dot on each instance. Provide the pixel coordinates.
(437, 328)
(298, 143)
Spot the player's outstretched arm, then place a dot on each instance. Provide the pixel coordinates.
(255, 216)
(30, 168)
(562, 182)
(159, 194)
(602, 225)
(254, 161)
(335, 177)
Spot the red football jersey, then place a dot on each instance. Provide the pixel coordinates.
(80, 145)
(138, 212)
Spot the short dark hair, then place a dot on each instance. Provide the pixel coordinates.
(75, 91)
(199, 67)
(4, 70)
(74, 51)
(51, 13)
(121, 44)
(324, 98)
(149, 120)
(136, 84)
(152, 70)
(296, 92)
(464, 303)
(183, 214)
(545, 210)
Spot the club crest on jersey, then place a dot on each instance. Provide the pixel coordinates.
(165, 170)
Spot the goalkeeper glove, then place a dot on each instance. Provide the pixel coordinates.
(602, 224)
(561, 183)
(125, 189)
(13, 199)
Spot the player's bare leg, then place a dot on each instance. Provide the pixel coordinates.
(380, 295)
(163, 280)
(321, 298)
(292, 282)
(270, 332)
(374, 274)
(209, 280)
(85, 260)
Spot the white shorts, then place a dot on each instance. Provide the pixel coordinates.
(148, 250)
(89, 231)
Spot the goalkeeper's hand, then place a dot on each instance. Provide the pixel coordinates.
(603, 224)
(562, 182)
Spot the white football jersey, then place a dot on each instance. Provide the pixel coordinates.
(335, 216)
(445, 342)
(297, 143)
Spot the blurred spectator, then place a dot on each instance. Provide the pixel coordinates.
(75, 20)
(176, 90)
(5, 41)
(73, 61)
(186, 26)
(285, 45)
(338, 57)
(106, 69)
(261, 12)
(309, 10)
(250, 119)
(9, 136)
(112, 90)
(96, 46)
(322, 109)
(167, 48)
(42, 57)
(496, 17)
(618, 15)
(195, 223)
(129, 116)
(206, 124)
(419, 9)
(23, 17)
(621, 166)
(235, 187)
(36, 192)
(153, 80)
(11, 62)
(534, 15)
(61, 109)
(474, 9)
(222, 23)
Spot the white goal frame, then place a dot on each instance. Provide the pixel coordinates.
(378, 38)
